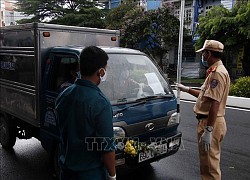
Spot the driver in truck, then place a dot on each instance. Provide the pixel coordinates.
(72, 74)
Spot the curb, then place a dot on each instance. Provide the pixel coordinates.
(232, 101)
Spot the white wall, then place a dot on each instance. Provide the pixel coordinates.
(227, 3)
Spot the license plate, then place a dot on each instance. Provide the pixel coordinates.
(143, 156)
(161, 149)
(155, 150)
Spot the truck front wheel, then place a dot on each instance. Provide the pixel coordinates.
(7, 132)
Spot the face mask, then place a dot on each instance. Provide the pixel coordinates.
(204, 62)
(104, 77)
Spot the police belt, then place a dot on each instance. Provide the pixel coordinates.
(201, 116)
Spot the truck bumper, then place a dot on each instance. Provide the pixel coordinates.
(159, 148)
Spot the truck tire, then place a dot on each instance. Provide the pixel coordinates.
(7, 132)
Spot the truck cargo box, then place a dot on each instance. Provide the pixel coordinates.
(23, 54)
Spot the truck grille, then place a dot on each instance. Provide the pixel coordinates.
(141, 128)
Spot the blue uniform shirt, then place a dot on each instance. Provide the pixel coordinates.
(86, 127)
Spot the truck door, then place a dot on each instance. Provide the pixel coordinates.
(57, 77)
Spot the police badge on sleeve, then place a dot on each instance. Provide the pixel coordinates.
(214, 83)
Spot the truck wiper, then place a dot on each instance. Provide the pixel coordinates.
(127, 107)
(160, 96)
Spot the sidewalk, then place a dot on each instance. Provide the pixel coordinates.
(232, 101)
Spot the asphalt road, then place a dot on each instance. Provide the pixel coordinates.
(28, 160)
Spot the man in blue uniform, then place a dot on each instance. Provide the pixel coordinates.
(85, 122)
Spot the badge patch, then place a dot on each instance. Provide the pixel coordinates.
(214, 83)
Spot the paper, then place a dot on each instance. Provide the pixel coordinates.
(154, 83)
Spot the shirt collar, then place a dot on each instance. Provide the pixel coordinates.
(213, 67)
(83, 82)
(217, 63)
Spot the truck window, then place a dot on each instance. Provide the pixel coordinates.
(60, 71)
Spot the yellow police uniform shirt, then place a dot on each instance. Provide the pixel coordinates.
(216, 87)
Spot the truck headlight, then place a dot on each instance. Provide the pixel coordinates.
(119, 132)
(174, 119)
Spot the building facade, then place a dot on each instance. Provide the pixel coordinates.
(8, 15)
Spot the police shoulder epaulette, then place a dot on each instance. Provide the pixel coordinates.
(213, 69)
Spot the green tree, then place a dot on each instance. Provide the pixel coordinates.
(131, 31)
(115, 16)
(68, 12)
(154, 31)
(52, 9)
(229, 27)
(88, 17)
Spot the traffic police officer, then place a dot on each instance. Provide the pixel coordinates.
(210, 109)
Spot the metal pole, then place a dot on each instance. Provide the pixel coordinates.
(178, 80)
(1, 13)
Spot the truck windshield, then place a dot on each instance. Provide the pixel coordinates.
(131, 77)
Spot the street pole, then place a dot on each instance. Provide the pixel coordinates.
(1, 14)
(178, 80)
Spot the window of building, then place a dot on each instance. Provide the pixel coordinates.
(188, 15)
(187, 5)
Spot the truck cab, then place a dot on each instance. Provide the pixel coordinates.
(144, 105)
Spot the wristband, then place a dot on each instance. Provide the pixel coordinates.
(112, 177)
(209, 128)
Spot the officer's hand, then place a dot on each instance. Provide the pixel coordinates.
(205, 139)
(181, 87)
(112, 177)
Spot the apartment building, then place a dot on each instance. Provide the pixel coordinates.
(8, 15)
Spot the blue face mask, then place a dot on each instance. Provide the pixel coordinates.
(204, 62)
